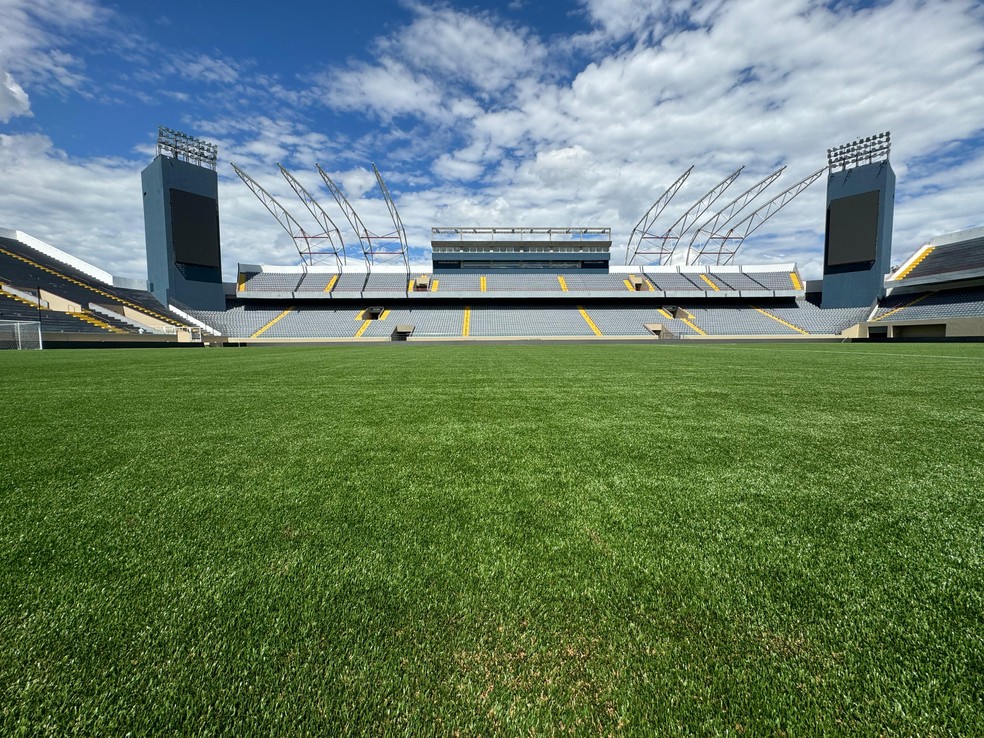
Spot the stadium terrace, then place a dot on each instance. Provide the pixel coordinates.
(680, 281)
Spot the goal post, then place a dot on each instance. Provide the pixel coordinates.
(20, 334)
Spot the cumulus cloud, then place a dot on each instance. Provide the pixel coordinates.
(475, 119)
(13, 99)
(34, 38)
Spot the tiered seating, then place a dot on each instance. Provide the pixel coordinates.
(616, 321)
(773, 280)
(952, 257)
(595, 282)
(384, 328)
(272, 281)
(360, 282)
(458, 282)
(14, 308)
(737, 321)
(315, 281)
(518, 321)
(387, 283)
(24, 267)
(734, 281)
(315, 323)
(353, 282)
(812, 319)
(676, 282)
(436, 321)
(238, 321)
(963, 303)
(522, 283)
(52, 321)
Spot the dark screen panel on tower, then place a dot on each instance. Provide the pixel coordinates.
(195, 229)
(852, 229)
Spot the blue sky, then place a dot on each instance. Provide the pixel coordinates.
(572, 113)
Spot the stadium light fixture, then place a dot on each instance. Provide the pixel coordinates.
(861, 151)
(187, 148)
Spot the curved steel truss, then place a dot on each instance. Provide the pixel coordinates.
(312, 248)
(378, 248)
(328, 227)
(640, 240)
(714, 241)
(697, 249)
(727, 243)
(660, 248)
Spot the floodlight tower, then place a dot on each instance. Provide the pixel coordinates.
(860, 212)
(181, 222)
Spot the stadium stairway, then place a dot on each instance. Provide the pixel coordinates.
(781, 321)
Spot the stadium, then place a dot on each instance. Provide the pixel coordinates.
(492, 282)
(525, 491)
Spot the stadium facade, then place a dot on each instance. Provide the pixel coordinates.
(495, 283)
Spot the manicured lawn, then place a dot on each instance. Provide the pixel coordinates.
(598, 539)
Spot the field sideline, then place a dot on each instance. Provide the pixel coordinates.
(478, 540)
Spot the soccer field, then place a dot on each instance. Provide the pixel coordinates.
(416, 539)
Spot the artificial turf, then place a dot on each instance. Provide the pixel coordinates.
(480, 540)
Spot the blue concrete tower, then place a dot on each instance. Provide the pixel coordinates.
(181, 222)
(860, 210)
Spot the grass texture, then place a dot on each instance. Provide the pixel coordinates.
(493, 540)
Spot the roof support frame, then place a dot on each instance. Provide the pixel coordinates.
(328, 228)
(712, 226)
(381, 247)
(640, 234)
(309, 246)
(734, 237)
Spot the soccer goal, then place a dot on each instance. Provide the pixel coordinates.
(20, 334)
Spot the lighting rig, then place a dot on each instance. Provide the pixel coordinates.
(187, 148)
(862, 151)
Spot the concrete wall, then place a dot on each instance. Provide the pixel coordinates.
(857, 285)
(196, 286)
(934, 328)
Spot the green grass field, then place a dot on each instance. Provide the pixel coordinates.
(481, 540)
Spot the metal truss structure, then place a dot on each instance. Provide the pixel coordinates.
(698, 249)
(661, 248)
(376, 247)
(861, 151)
(727, 243)
(521, 232)
(328, 228)
(311, 247)
(639, 240)
(187, 148)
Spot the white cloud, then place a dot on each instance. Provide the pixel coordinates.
(388, 89)
(450, 168)
(209, 69)
(476, 49)
(91, 209)
(476, 120)
(34, 32)
(13, 99)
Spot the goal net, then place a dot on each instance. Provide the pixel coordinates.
(20, 334)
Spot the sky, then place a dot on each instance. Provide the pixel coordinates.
(566, 114)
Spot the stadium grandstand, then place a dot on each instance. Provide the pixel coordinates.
(495, 283)
(78, 303)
